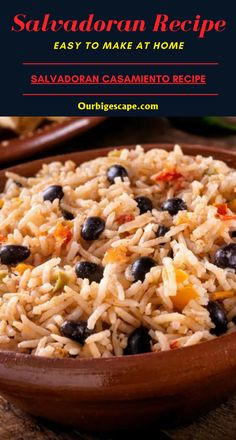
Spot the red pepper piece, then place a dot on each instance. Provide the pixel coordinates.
(125, 218)
(168, 176)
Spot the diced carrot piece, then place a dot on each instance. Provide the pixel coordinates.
(116, 255)
(125, 218)
(227, 217)
(183, 296)
(43, 234)
(1, 203)
(22, 267)
(222, 209)
(182, 218)
(222, 294)
(167, 176)
(2, 238)
(174, 344)
(63, 233)
(180, 275)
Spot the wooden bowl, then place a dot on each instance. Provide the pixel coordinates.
(122, 392)
(45, 137)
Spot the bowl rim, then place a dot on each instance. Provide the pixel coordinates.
(206, 150)
(74, 363)
(7, 356)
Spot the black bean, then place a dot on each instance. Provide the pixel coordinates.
(139, 341)
(162, 230)
(12, 254)
(91, 271)
(67, 215)
(141, 267)
(144, 204)
(116, 171)
(225, 256)
(232, 234)
(78, 331)
(218, 317)
(173, 206)
(92, 228)
(53, 192)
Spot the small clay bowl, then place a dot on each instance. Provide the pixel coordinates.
(122, 392)
(45, 137)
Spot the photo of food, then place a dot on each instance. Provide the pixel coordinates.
(25, 136)
(117, 272)
(126, 233)
(117, 221)
(26, 124)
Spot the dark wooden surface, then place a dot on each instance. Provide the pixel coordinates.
(219, 424)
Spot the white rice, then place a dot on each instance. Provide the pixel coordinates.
(171, 301)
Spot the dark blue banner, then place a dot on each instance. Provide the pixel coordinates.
(126, 58)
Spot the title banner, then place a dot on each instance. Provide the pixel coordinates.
(126, 58)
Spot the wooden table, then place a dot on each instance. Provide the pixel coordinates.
(219, 424)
